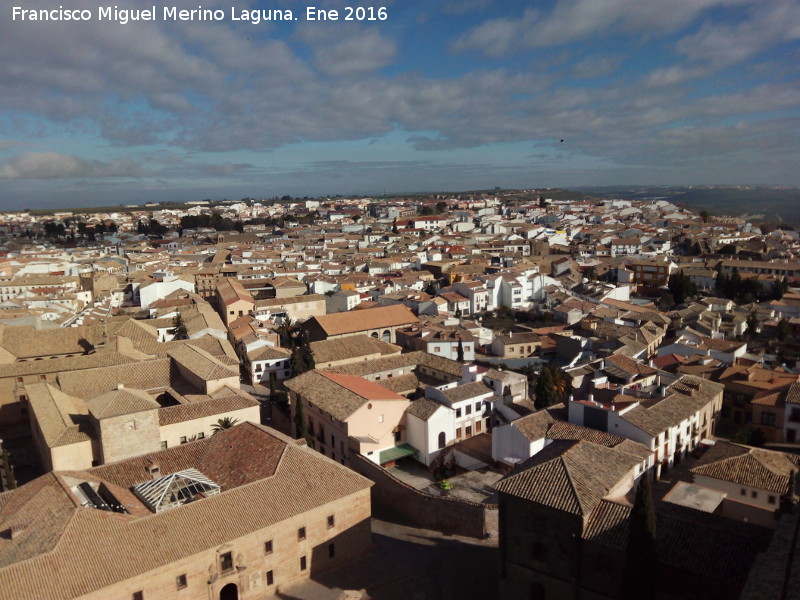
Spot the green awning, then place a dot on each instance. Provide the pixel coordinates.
(396, 453)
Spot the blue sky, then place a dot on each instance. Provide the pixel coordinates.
(439, 96)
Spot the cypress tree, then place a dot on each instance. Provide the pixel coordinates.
(460, 351)
(641, 559)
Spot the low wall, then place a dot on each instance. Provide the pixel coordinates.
(395, 500)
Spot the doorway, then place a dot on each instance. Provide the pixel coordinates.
(229, 592)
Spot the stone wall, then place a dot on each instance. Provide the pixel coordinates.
(394, 500)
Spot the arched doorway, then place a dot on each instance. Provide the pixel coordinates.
(229, 592)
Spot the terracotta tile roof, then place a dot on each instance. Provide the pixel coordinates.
(467, 391)
(351, 347)
(338, 395)
(55, 554)
(412, 360)
(369, 390)
(149, 375)
(630, 366)
(573, 476)
(120, 402)
(201, 363)
(75, 363)
(363, 320)
(62, 419)
(754, 467)
(560, 430)
(423, 408)
(535, 425)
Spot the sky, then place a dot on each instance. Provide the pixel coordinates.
(439, 95)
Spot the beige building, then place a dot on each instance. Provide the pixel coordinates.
(95, 416)
(298, 308)
(347, 413)
(233, 301)
(380, 323)
(203, 521)
(342, 351)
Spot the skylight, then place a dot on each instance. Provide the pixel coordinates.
(174, 490)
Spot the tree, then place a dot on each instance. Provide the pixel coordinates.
(302, 358)
(561, 382)
(750, 435)
(441, 207)
(681, 287)
(752, 323)
(223, 424)
(300, 423)
(552, 386)
(288, 331)
(545, 390)
(704, 215)
(431, 288)
(782, 330)
(460, 351)
(394, 225)
(641, 558)
(179, 332)
(590, 273)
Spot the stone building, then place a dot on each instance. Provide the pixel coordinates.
(237, 515)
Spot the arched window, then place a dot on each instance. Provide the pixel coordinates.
(441, 440)
(375, 335)
(387, 336)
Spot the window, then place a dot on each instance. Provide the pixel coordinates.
(301, 533)
(477, 407)
(458, 413)
(768, 419)
(331, 551)
(441, 440)
(772, 499)
(137, 596)
(743, 492)
(270, 578)
(754, 494)
(183, 439)
(458, 433)
(226, 561)
(180, 581)
(477, 426)
(163, 445)
(331, 521)
(302, 563)
(201, 435)
(380, 418)
(468, 431)
(268, 547)
(468, 410)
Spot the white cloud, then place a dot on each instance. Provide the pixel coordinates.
(51, 165)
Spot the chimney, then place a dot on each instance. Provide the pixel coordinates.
(120, 386)
(591, 397)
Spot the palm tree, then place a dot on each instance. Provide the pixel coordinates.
(223, 424)
(561, 382)
(288, 330)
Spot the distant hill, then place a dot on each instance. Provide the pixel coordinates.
(761, 203)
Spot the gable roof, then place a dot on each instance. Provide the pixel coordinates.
(364, 320)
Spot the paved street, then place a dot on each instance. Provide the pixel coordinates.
(410, 564)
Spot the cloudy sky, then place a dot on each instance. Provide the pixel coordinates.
(442, 95)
